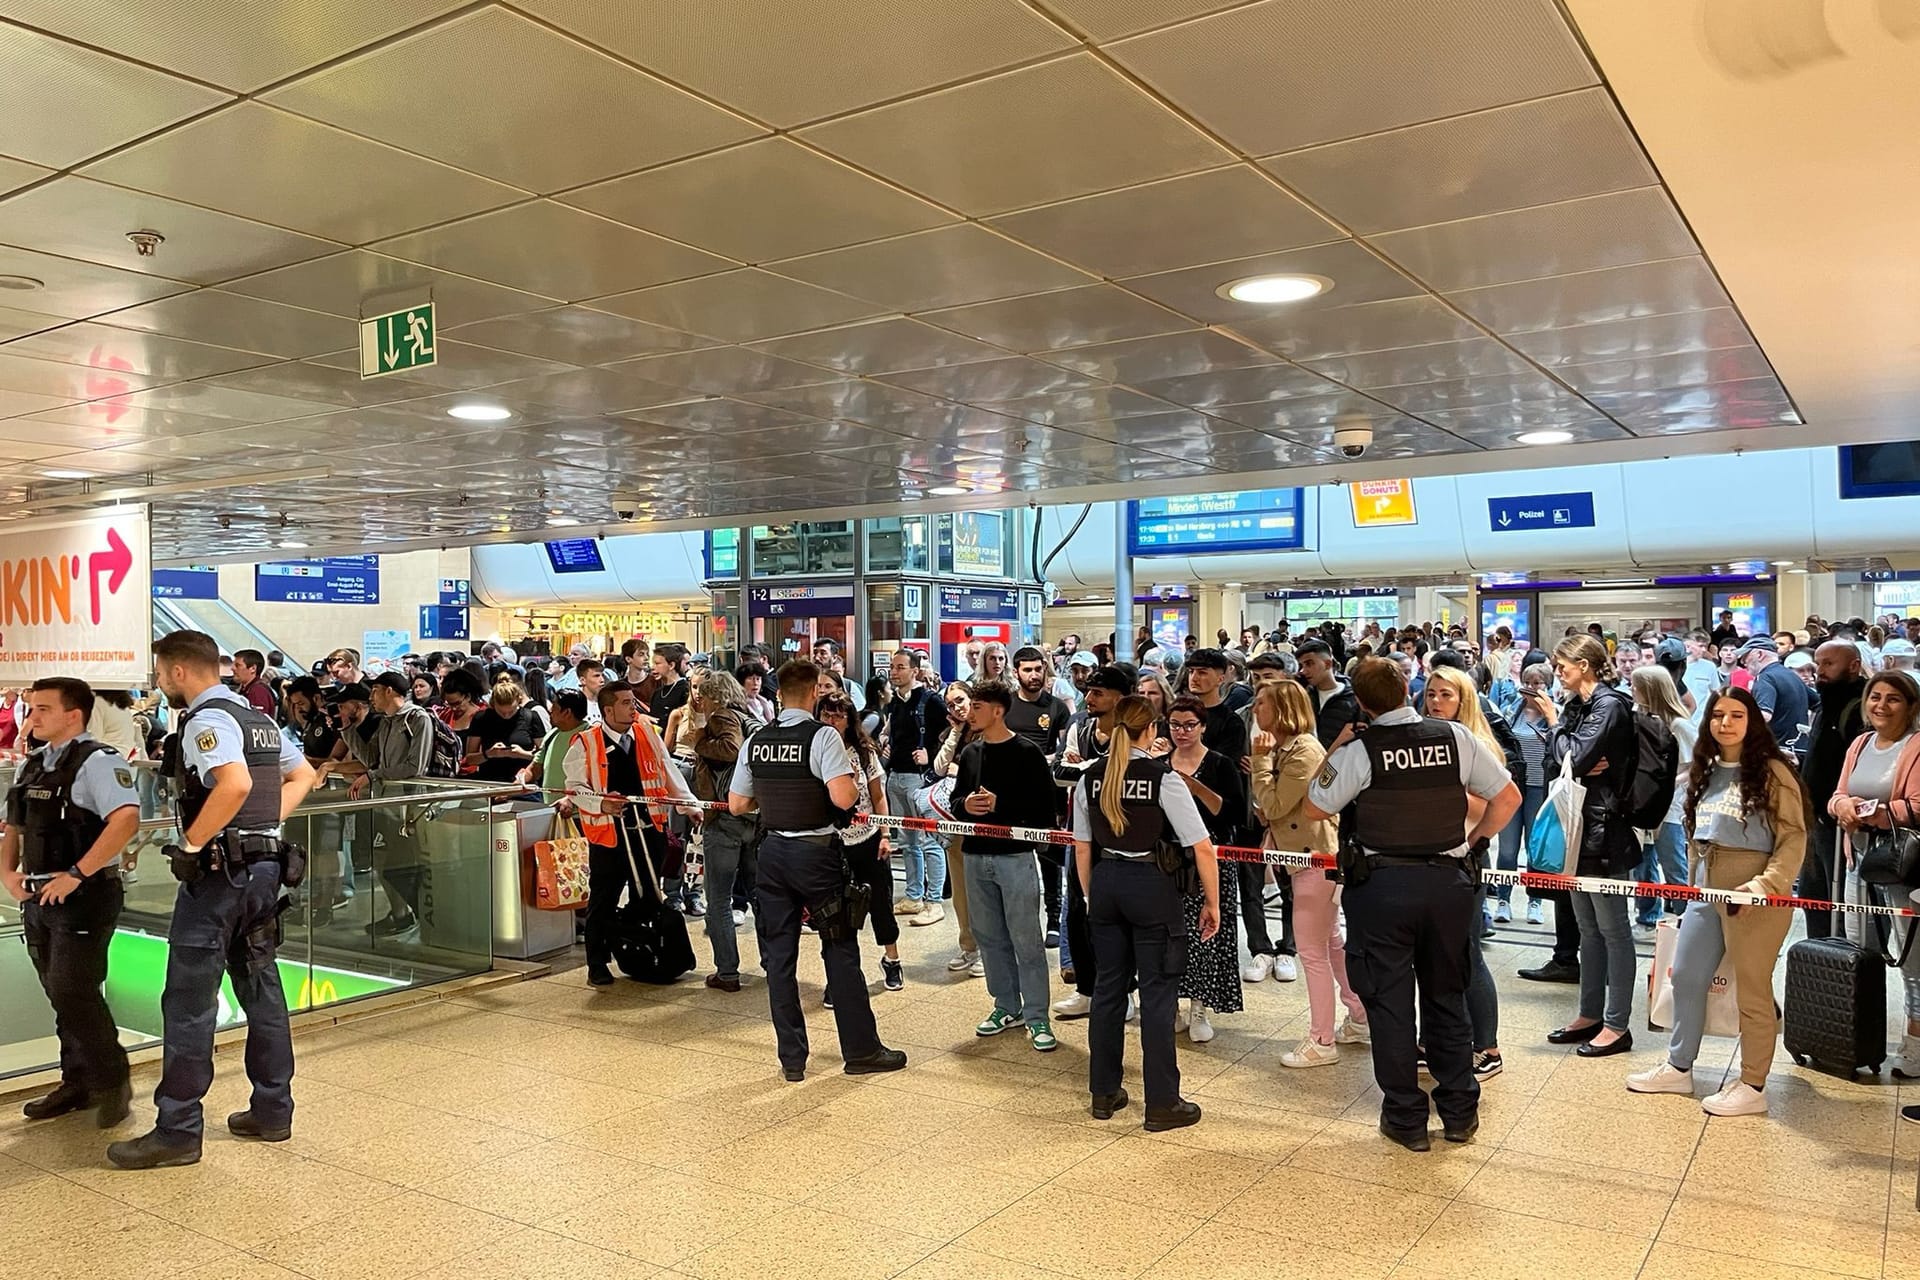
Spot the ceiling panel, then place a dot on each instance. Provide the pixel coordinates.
(292, 172)
(768, 199)
(1495, 428)
(1466, 166)
(1472, 393)
(498, 95)
(232, 320)
(576, 335)
(739, 306)
(64, 383)
(365, 283)
(1111, 19)
(1225, 213)
(319, 384)
(15, 323)
(207, 39)
(1285, 74)
(1612, 230)
(811, 58)
(594, 391)
(1368, 326)
(726, 417)
(97, 346)
(547, 248)
(946, 267)
(77, 289)
(1639, 338)
(1064, 128)
(881, 346)
(1655, 373)
(1758, 402)
(1439, 362)
(209, 401)
(63, 103)
(15, 174)
(993, 380)
(1064, 318)
(79, 218)
(1088, 409)
(1357, 275)
(461, 366)
(1239, 386)
(1169, 356)
(1595, 297)
(880, 405)
(116, 422)
(726, 371)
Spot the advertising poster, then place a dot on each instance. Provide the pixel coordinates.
(1514, 613)
(1170, 624)
(1749, 611)
(76, 599)
(978, 549)
(1378, 503)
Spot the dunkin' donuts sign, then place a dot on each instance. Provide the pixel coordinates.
(76, 599)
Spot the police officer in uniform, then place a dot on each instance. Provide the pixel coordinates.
(1410, 878)
(237, 778)
(799, 772)
(1123, 812)
(70, 815)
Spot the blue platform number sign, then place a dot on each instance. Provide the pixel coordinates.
(1533, 512)
(443, 622)
(331, 580)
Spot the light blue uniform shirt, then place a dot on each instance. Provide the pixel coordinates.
(214, 739)
(1176, 801)
(1349, 771)
(104, 784)
(828, 759)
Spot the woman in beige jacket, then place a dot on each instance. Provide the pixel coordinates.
(1746, 821)
(1286, 756)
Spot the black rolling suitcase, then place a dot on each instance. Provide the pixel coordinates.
(1836, 999)
(650, 941)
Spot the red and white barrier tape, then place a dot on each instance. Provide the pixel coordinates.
(1301, 860)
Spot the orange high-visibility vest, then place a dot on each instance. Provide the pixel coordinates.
(599, 828)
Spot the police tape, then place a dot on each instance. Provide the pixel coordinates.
(1531, 880)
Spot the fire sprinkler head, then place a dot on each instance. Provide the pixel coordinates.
(146, 242)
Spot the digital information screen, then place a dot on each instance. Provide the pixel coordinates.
(575, 555)
(1255, 520)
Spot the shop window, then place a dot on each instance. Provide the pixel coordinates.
(803, 547)
(898, 544)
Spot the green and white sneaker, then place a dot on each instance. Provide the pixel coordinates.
(1040, 1036)
(996, 1022)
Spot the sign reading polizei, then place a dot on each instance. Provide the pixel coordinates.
(76, 599)
(397, 341)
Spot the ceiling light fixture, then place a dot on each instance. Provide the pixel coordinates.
(1272, 290)
(1781, 564)
(67, 475)
(292, 544)
(948, 491)
(560, 522)
(1796, 571)
(479, 413)
(1544, 437)
(21, 284)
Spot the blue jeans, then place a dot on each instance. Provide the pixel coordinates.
(921, 854)
(1666, 856)
(1003, 902)
(724, 843)
(1514, 836)
(1607, 959)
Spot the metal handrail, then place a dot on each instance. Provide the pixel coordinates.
(463, 792)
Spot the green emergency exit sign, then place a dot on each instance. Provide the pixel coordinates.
(397, 341)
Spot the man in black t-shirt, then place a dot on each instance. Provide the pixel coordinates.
(1207, 673)
(1041, 718)
(670, 689)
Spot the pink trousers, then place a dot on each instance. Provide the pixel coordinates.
(1323, 951)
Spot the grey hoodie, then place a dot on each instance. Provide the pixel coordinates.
(402, 745)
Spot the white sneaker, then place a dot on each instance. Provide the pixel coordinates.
(1072, 1005)
(1311, 1053)
(1199, 1027)
(1665, 1078)
(932, 913)
(1536, 911)
(1257, 969)
(1352, 1032)
(1284, 969)
(1180, 1022)
(739, 918)
(978, 969)
(965, 960)
(909, 907)
(1737, 1099)
(1133, 1009)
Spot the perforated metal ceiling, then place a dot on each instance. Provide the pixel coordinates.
(756, 256)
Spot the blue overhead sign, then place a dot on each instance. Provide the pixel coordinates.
(455, 591)
(331, 580)
(194, 583)
(1540, 511)
(1254, 520)
(443, 622)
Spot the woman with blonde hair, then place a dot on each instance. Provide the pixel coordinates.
(1286, 756)
(1129, 817)
(1654, 694)
(504, 733)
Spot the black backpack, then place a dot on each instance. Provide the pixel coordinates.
(1656, 771)
(444, 760)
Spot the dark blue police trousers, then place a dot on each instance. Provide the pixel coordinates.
(795, 874)
(1139, 926)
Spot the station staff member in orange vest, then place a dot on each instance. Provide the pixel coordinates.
(601, 773)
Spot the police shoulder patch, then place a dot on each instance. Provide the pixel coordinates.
(206, 741)
(1327, 774)
(123, 776)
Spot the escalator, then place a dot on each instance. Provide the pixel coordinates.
(229, 628)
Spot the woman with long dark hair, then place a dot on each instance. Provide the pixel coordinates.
(1746, 822)
(1211, 982)
(867, 846)
(1595, 730)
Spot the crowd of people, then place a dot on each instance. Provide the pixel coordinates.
(1784, 749)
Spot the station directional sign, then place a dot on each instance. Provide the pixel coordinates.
(397, 341)
(1530, 512)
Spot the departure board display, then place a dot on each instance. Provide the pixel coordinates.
(575, 555)
(1253, 520)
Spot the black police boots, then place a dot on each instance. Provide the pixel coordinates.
(1178, 1116)
(112, 1106)
(64, 1098)
(881, 1060)
(153, 1150)
(1411, 1139)
(241, 1124)
(1105, 1104)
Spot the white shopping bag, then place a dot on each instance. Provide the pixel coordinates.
(1568, 795)
(1723, 1009)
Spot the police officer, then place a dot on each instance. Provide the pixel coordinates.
(1410, 881)
(237, 778)
(1122, 813)
(70, 815)
(799, 772)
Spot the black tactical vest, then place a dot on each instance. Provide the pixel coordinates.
(1146, 820)
(55, 833)
(780, 758)
(1416, 805)
(260, 738)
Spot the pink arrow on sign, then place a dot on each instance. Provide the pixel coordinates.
(116, 562)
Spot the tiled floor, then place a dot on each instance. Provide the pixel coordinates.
(544, 1129)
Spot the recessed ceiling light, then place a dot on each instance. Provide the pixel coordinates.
(560, 522)
(1796, 571)
(1234, 586)
(1544, 437)
(21, 284)
(67, 475)
(479, 413)
(1781, 564)
(948, 490)
(1274, 289)
(290, 544)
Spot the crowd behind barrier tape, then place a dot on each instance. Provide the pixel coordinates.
(1303, 859)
